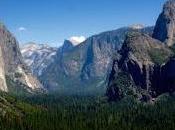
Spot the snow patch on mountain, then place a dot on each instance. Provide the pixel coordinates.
(137, 26)
(38, 56)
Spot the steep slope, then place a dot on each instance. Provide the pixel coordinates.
(2, 74)
(168, 76)
(138, 71)
(146, 66)
(87, 64)
(165, 26)
(66, 47)
(38, 56)
(12, 66)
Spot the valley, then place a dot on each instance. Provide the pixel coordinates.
(71, 112)
(123, 79)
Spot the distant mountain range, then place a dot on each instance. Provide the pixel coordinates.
(38, 56)
(74, 65)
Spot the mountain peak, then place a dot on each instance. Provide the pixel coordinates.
(165, 29)
(34, 46)
(67, 45)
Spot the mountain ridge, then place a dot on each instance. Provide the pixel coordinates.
(12, 65)
(38, 56)
(87, 64)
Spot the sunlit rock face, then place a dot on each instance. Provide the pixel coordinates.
(12, 65)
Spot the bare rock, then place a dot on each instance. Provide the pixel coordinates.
(165, 26)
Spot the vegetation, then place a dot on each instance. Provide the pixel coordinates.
(125, 85)
(15, 87)
(18, 75)
(159, 56)
(173, 48)
(56, 112)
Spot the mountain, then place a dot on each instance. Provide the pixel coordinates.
(38, 56)
(14, 74)
(66, 47)
(138, 71)
(165, 26)
(145, 67)
(86, 65)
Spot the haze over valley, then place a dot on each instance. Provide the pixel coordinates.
(121, 78)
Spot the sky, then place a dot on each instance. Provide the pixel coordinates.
(53, 21)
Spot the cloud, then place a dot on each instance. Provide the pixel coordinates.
(21, 29)
(77, 39)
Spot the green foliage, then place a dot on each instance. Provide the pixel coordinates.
(18, 75)
(132, 34)
(60, 112)
(12, 112)
(125, 84)
(16, 87)
(159, 56)
(123, 80)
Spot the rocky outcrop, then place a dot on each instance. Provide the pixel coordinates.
(2, 74)
(10, 50)
(67, 46)
(138, 57)
(138, 62)
(165, 26)
(146, 61)
(12, 65)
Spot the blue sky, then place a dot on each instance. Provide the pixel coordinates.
(52, 21)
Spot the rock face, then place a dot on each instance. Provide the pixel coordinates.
(67, 46)
(139, 58)
(168, 76)
(88, 63)
(2, 74)
(139, 68)
(11, 64)
(165, 26)
(145, 68)
(38, 57)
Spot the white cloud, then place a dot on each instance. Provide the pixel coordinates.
(77, 39)
(21, 29)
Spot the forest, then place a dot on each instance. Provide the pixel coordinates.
(75, 112)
